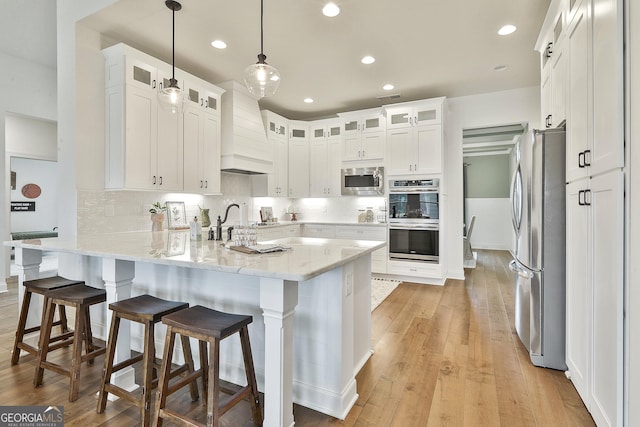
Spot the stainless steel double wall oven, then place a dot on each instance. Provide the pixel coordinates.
(414, 219)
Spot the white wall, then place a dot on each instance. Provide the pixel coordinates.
(27, 89)
(511, 106)
(43, 173)
(31, 146)
(31, 137)
(632, 266)
(492, 228)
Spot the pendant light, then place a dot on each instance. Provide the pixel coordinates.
(170, 96)
(261, 78)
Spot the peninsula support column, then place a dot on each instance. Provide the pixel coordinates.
(118, 277)
(28, 265)
(278, 299)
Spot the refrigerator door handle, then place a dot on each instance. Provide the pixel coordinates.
(522, 270)
(516, 200)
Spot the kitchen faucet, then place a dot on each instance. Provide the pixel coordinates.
(220, 222)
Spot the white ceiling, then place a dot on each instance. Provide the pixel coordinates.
(426, 48)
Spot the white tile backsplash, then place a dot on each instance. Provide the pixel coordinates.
(116, 211)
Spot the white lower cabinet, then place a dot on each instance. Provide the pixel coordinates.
(278, 232)
(595, 243)
(366, 232)
(323, 231)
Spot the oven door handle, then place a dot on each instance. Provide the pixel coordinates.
(418, 227)
(414, 190)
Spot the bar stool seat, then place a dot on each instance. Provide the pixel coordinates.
(147, 310)
(81, 297)
(207, 326)
(40, 287)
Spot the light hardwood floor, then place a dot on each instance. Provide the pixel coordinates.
(444, 356)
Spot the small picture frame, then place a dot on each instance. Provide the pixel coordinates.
(176, 215)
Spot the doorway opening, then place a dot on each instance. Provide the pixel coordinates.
(488, 164)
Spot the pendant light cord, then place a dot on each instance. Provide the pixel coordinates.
(173, 46)
(261, 27)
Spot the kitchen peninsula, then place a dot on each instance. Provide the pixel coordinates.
(311, 357)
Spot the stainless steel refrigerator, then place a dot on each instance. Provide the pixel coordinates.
(538, 213)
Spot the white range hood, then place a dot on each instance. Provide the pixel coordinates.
(244, 141)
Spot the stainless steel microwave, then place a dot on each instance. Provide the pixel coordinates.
(367, 181)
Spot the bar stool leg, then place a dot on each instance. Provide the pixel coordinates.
(43, 345)
(188, 360)
(163, 383)
(62, 313)
(213, 399)
(76, 360)
(251, 376)
(26, 300)
(204, 367)
(147, 372)
(108, 363)
(88, 335)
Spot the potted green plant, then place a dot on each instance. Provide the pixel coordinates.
(157, 216)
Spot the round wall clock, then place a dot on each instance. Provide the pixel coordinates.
(31, 191)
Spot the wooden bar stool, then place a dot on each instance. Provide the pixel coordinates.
(41, 286)
(81, 297)
(147, 310)
(207, 326)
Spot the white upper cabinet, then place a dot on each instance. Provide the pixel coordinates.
(298, 159)
(414, 114)
(201, 137)
(551, 46)
(275, 184)
(595, 102)
(325, 154)
(144, 145)
(363, 136)
(149, 147)
(414, 137)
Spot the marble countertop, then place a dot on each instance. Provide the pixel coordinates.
(303, 222)
(309, 257)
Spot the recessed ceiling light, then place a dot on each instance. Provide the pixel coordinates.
(507, 29)
(308, 100)
(368, 60)
(388, 86)
(331, 10)
(219, 44)
(499, 68)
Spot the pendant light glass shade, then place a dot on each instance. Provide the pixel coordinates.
(261, 79)
(171, 96)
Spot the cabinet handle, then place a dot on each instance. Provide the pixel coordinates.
(548, 51)
(153, 84)
(587, 160)
(154, 180)
(548, 121)
(206, 184)
(581, 159)
(587, 200)
(160, 180)
(201, 102)
(201, 183)
(363, 154)
(581, 198)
